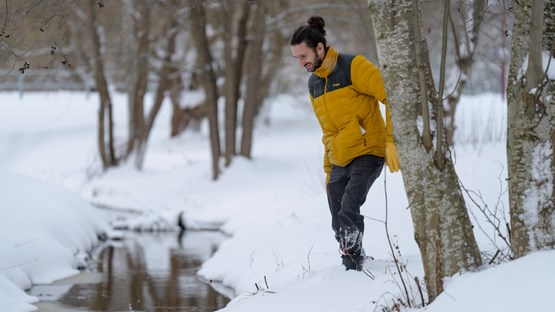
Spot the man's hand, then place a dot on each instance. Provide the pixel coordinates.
(391, 157)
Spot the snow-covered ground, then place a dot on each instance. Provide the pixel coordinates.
(281, 255)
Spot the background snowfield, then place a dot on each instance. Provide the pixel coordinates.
(281, 254)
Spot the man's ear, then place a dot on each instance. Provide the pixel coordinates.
(320, 47)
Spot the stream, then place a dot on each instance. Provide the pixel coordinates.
(141, 272)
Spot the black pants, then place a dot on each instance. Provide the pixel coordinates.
(347, 189)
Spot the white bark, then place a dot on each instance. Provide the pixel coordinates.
(442, 227)
(531, 129)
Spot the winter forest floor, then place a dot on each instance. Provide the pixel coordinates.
(281, 254)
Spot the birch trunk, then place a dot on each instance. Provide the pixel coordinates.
(531, 128)
(443, 230)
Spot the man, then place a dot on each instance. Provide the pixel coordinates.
(345, 91)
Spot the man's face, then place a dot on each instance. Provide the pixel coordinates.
(308, 58)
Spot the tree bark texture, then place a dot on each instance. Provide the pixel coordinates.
(197, 17)
(531, 128)
(443, 230)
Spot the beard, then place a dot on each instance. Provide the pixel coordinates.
(314, 65)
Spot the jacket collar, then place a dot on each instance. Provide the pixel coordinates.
(328, 64)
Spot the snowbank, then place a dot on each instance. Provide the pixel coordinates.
(281, 255)
(47, 233)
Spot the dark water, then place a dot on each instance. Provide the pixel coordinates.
(143, 272)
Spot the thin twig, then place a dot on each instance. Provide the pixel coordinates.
(369, 274)
(487, 214)
(373, 219)
(308, 256)
(420, 290)
(389, 240)
(494, 256)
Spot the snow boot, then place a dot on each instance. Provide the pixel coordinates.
(353, 262)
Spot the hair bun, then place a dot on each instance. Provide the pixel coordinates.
(318, 23)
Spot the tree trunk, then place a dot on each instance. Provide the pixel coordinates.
(273, 54)
(129, 64)
(105, 120)
(198, 24)
(254, 74)
(265, 53)
(164, 84)
(465, 49)
(531, 128)
(140, 15)
(442, 227)
(233, 74)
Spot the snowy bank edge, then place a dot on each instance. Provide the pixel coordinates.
(48, 233)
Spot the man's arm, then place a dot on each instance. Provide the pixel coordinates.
(367, 79)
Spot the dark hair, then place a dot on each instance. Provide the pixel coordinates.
(311, 34)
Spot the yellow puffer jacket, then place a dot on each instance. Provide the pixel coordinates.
(345, 93)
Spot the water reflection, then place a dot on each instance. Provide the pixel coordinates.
(149, 272)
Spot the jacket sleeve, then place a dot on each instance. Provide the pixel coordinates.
(327, 163)
(367, 79)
